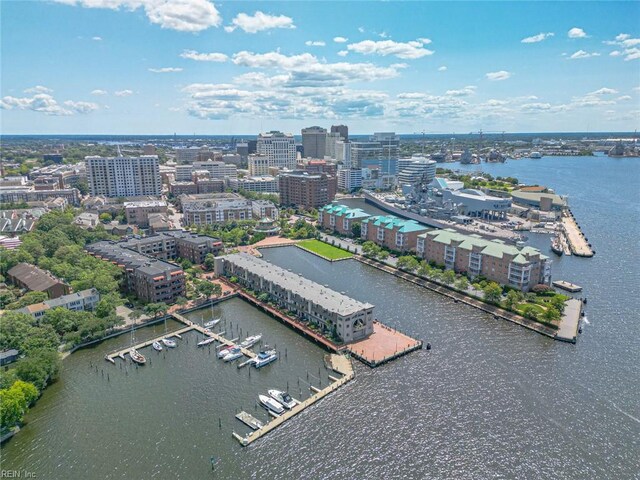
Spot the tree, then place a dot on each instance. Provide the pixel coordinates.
(408, 263)
(181, 301)
(492, 292)
(6, 297)
(558, 303)
(424, 269)
(448, 277)
(105, 217)
(209, 262)
(514, 297)
(462, 283)
(356, 230)
(205, 288)
(551, 314)
(383, 254)
(263, 297)
(156, 309)
(217, 289)
(28, 298)
(107, 305)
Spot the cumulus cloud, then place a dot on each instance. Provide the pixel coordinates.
(576, 32)
(604, 91)
(181, 15)
(317, 43)
(45, 103)
(582, 54)
(258, 22)
(537, 38)
(624, 98)
(165, 69)
(497, 76)
(463, 92)
(99, 92)
(38, 89)
(340, 39)
(343, 53)
(204, 57)
(442, 69)
(96, 39)
(406, 50)
(123, 93)
(627, 47)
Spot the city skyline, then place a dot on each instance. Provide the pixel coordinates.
(152, 67)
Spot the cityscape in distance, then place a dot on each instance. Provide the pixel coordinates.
(319, 239)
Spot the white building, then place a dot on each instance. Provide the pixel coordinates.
(264, 184)
(258, 164)
(216, 169)
(343, 153)
(279, 147)
(418, 168)
(349, 179)
(124, 176)
(331, 143)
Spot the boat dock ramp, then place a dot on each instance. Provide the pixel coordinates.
(338, 363)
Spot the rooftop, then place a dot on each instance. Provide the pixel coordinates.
(145, 203)
(33, 277)
(390, 222)
(344, 211)
(299, 285)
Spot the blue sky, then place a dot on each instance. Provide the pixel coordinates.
(195, 66)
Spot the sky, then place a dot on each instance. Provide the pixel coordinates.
(220, 68)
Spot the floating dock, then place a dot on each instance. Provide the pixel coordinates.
(249, 420)
(122, 352)
(340, 364)
(568, 286)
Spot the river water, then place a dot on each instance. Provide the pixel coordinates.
(491, 399)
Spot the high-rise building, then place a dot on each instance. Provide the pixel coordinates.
(279, 147)
(419, 168)
(343, 154)
(124, 176)
(364, 154)
(314, 141)
(343, 130)
(349, 179)
(187, 155)
(301, 189)
(330, 145)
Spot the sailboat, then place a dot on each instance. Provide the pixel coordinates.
(167, 342)
(133, 353)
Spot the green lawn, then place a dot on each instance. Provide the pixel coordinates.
(325, 250)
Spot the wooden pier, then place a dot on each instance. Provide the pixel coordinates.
(122, 352)
(249, 420)
(340, 364)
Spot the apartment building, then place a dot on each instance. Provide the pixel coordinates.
(279, 147)
(304, 190)
(340, 218)
(214, 208)
(138, 212)
(173, 244)
(79, 301)
(29, 195)
(314, 141)
(520, 268)
(334, 312)
(32, 278)
(258, 165)
(124, 176)
(260, 184)
(264, 209)
(392, 232)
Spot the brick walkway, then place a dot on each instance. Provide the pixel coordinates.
(383, 345)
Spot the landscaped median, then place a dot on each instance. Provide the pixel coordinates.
(324, 250)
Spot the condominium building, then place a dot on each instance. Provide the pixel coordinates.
(279, 147)
(343, 154)
(520, 268)
(261, 184)
(34, 279)
(314, 142)
(304, 190)
(29, 195)
(333, 312)
(264, 208)
(216, 169)
(79, 301)
(258, 165)
(214, 208)
(173, 244)
(138, 212)
(418, 168)
(340, 218)
(124, 176)
(349, 179)
(392, 232)
(365, 153)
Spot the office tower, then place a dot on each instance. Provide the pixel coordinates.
(343, 130)
(279, 147)
(124, 176)
(314, 140)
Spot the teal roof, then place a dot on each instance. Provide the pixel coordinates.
(493, 248)
(344, 211)
(390, 222)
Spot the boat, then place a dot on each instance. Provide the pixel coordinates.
(535, 155)
(225, 351)
(234, 354)
(212, 323)
(265, 358)
(167, 342)
(283, 398)
(271, 404)
(206, 341)
(157, 346)
(137, 357)
(556, 246)
(250, 341)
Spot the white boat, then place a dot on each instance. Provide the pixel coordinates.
(206, 341)
(225, 351)
(283, 398)
(167, 342)
(264, 358)
(271, 404)
(157, 346)
(137, 357)
(212, 323)
(251, 341)
(234, 354)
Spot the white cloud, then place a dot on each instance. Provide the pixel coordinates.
(576, 32)
(45, 103)
(497, 76)
(628, 47)
(343, 53)
(259, 21)
(425, 41)
(204, 57)
(442, 69)
(123, 93)
(361, 29)
(615, 53)
(316, 43)
(38, 89)
(165, 69)
(463, 92)
(99, 92)
(408, 50)
(622, 36)
(340, 39)
(537, 38)
(624, 97)
(582, 54)
(96, 39)
(632, 54)
(181, 15)
(603, 91)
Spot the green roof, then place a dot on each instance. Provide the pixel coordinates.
(493, 248)
(344, 211)
(390, 222)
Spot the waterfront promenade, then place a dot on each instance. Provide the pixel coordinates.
(570, 321)
(575, 238)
